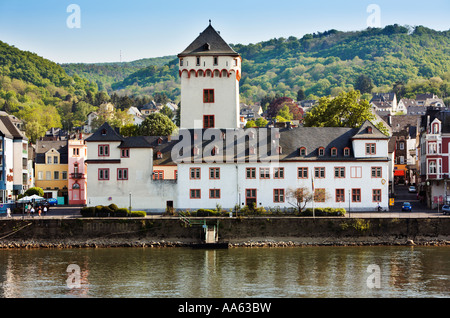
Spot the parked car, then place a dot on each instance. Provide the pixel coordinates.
(446, 209)
(52, 201)
(406, 206)
(412, 189)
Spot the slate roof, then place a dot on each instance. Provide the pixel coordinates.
(8, 129)
(209, 42)
(105, 133)
(290, 141)
(42, 146)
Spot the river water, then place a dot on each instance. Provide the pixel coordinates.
(336, 272)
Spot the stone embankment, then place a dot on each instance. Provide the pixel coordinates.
(238, 232)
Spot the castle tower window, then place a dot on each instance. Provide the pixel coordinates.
(208, 96)
(208, 121)
(216, 60)
(198, 61)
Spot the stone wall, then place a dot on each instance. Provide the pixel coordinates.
(317, 231)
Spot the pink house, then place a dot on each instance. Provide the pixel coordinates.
(77, 170)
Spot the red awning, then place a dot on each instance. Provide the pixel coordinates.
(399, 173)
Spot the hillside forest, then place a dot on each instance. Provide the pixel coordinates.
(406, 60)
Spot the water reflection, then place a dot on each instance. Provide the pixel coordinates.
(237, 272)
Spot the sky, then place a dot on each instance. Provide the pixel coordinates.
(93, 31)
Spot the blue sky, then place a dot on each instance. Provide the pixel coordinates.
(153, 28)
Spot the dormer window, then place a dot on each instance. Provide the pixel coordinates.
(215, 151)
(195, 150)
(160, 140)
(369, 130)
(321, 151)
(334, 152)
(103, 132)
(279, 150)
(435, 129)
(302, 151)
(346, 152)
(159, 155)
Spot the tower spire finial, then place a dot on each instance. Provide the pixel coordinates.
(209, 21)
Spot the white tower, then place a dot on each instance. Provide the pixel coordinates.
(210, 71)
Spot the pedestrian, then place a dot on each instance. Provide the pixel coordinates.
(45, 210)
(39, 211)
(8, 212)
(28, 210)
(32, 212)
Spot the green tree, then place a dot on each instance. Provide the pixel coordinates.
(157, 124)
(35, 190)
(345, 110)
(364, 84)
(300, 95)
(261, 122)
(167, 111)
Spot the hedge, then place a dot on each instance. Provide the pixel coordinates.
(109, 211)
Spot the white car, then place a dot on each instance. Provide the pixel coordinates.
(412, 189)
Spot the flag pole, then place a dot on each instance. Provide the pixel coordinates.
(313, 194)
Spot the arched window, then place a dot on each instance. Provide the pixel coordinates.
(75, 186)
(321, 151)
(334, 152)
(302, 151)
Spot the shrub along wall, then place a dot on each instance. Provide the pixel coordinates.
(109, 211)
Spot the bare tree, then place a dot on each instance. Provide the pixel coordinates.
(299, 197)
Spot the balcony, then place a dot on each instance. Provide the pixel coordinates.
(77, 175)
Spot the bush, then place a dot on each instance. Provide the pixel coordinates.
(205, 212)
(138, 214)
(88, 211)
(122, 212)
(323, 212)
(113, 207)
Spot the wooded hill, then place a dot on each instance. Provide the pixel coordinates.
(321, 64)
(411, 60)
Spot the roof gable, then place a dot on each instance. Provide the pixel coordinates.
(105, 133)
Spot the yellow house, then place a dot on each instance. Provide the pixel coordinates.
(51, 168)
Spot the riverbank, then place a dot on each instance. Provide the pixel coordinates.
(271, 243)
(238, 232)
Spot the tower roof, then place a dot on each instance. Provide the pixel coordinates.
(209, 42)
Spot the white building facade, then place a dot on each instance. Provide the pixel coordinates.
(343, 167)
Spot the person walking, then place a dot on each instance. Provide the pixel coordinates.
(45, 210)
(8, 212)
(39, 211)
(32, 211)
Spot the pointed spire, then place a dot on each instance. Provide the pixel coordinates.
(209, 42)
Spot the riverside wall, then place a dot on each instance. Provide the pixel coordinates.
(255, 231)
